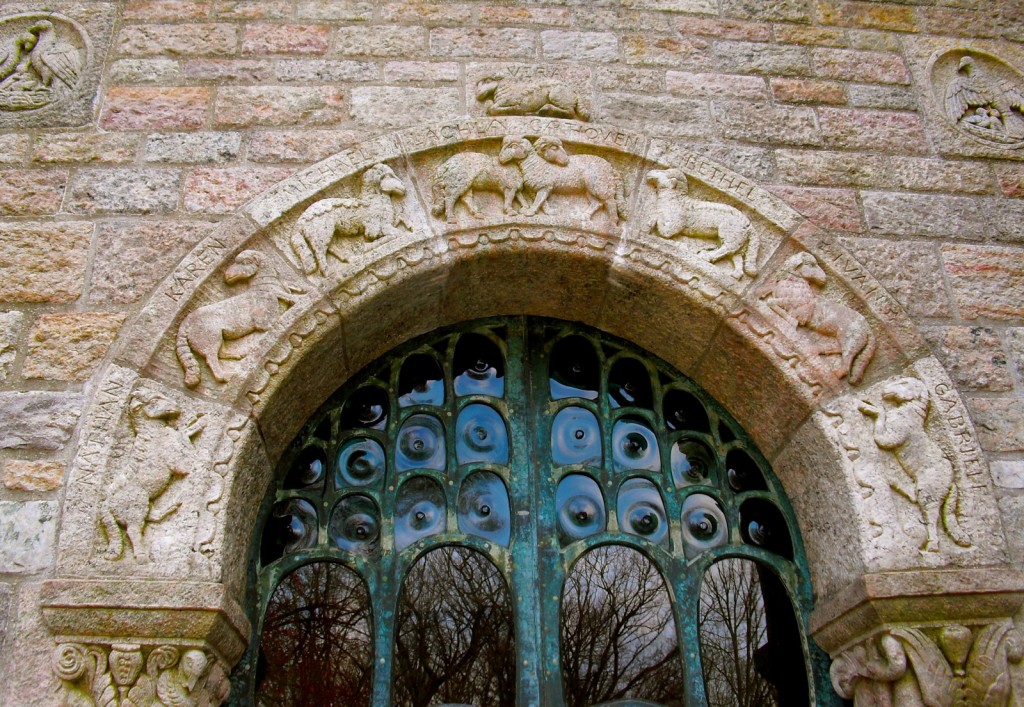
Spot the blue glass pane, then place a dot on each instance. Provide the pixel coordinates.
(574, 369)
(292, 526)
(355, 525)
(629, 384)
(691, 463)
(642, 512)
(421, 444)
(575, 437)
(421, 381)
(704, 524)
(360, 463)
(479, 367)
(484, 508)
(367, 407)
(308, 469)
(419, 511)
(634, 446)
(482, 436)
(580, 507)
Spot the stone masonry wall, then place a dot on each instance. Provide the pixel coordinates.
(203, 104)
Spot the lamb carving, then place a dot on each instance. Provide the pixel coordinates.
(678, 214)
(139, 493)
(542, 96)
(794, 298)
(210, 330)
(900, 420)
(547, 168)
(375, 213)
(461, 174)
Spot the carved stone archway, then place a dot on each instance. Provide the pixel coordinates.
(641, 238)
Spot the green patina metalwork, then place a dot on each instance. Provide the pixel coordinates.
(543, 541)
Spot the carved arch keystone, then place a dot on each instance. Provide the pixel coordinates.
(806, 359)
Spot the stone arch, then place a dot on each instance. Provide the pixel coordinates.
(288, 326)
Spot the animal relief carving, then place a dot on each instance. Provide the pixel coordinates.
(41, 60)
(794, 296)
(537, 95)
(900, 420)
(221, 331)
(460, 175)
(142, 489)
(377, 212)
(985, 98)
(678, 214)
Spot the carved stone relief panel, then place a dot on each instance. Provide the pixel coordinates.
(50, 62)
(548, 90)
(946, 665)
(981, 95)
(921, 481)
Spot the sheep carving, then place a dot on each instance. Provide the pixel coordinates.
(462, 174)
(679, 214)
(375, 213)
(551, 97)
(547, 168)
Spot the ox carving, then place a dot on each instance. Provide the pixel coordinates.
(900, 428)
(678, 214)
(142, 490)
(214, 330)
(794, 296)
(375, 213)
(541, 96)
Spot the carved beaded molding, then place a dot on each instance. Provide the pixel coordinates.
(438, 224)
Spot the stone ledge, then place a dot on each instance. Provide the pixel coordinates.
(90, 610)
(916, 596)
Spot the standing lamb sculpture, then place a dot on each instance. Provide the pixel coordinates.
(678, 214)
(461, 174)
(547, 168)
(544, 96)
(372, 215)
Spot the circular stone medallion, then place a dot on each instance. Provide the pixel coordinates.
(981, 95)
(45, 59)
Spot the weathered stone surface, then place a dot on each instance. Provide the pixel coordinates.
(808, 91)
(129, 71)
(23, 475)
(200, 39)
(240, 107)
(14, 148)
(724, 29)
(27, 533)
(349, 10)
(773, 10)
(285, 39)
(670, 50)
(703, 6)
(761, 58)
(400, 71)
(43, 262)
(131, 257)
(222, 72)
(31, 192)
(858, 129)
(505, 43)
(193, 147)
(221, 191)
(923, 215)
(69, 346)
(854, 169)
(37, 420)
(307, 146)
(1015, 340)
(767, 123)
(392, 107)
(579, 46)
(860, 67)
(1008, 474)
(867, 15)
(325, 71)
(973, 356)
(10, 328)
(147, 108)
(662, 116)
(255, 9)
(986, 281)
(883, 97)
(167, 9)
(78, 148)
(999, 422)
(124, 191)
(380, 40)
(907, 270)
(836, 209)
(690, 84)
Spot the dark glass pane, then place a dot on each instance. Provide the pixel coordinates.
(421, 381)
(316, 643)
(704, 524)
(292, 526)
(580, 507)
(743, 473)
(455, 639)
(629, 384)
(575, 372)
(419, 511)
(421, 444)
(684, 412)
(308, 470)
(482, 436)
(360, 463)
(725, 433)
(762, 524)
(634, 446)
(484, 509)
(691, 463)
(575, 437)
(642, 512)
(618, 632)
(355, 525)
(479, 367)
(367, 407)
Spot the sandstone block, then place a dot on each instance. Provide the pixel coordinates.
(499, 15)
(986, 281)
(69, 346)
(771, 10)
(868, 15)
(688, 84)
(14, 148)
(857, 129)
(28, 192)
(391, 107)
(1006, 217)
(127, 191)
(1011, 180)
(885, 97)
(141, 108)
(1008, 474)
(21, 475)
(503, 43)
(836, 209)
(229, 71)
(193, 147)
(973, 356)
(592, 17)
(325, 71)
(200, 39)
(689, 53)
(907, 270)
(723, 29)
(306, 146)
(276, 105)
(863, 67)
(10, 329)
(167, 9)
(38, 420)
(221, 191)
(579, 46)
(379, 40)
(1015, 340)
(661, 115)
(803, 34)
(27, 533)
(285, 39)
(254, 9)
(963, 21)
(426, 12)
(82, 148)
(349, 10)
(399, 71)
(766, 123)
(43, 262)
(761, 58)
(999, 422)
(613, 79)
(696, 6)
(923, 215)
(808, 91)
(853, 169)
(128, 71)
(132, 256)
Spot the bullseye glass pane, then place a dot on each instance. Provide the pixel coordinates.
(421, 381)
(704, 525)
(629, 384)
(367, 407)
(317, 646)
(308, 470)
(355, 525)
(454, 635)
(419, 511)
(482, 436)
(420, 444)
(618, 630)
(580, 507)
(634, 446)
(574, 369)
(360, 463)
(642, 512)
(484, 507)
(691, 462)
(292, 526)
(479, 367)
(575, 437)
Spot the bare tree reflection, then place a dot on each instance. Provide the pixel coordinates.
(618, 631)
(316, 645)
(733, 626)
(454, 635)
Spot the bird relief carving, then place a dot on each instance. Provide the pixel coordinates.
(41, 60)
(982, 96)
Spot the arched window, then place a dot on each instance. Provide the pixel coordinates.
(524, 511)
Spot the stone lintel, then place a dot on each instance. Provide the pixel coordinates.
(917, 597)
(146, 612)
